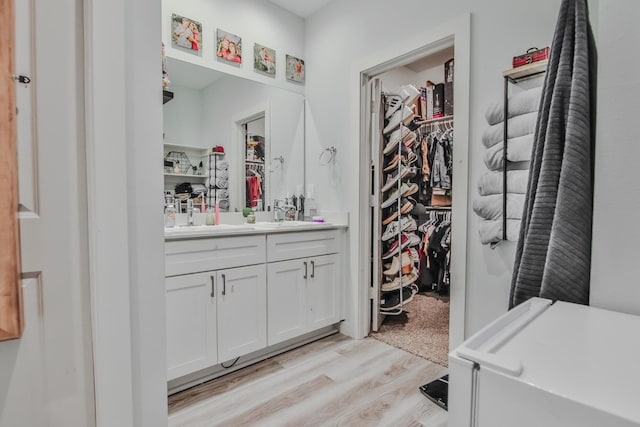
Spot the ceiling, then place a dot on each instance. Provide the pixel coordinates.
(302, 8)
(190, 75)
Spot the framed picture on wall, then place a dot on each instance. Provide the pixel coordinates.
(186, 34)
(228, 47)
(264, 59)
(295, 69)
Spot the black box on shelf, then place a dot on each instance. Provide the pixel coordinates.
(438, 100)
(448, 71)
(448, 99)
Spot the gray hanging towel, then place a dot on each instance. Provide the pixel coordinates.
(553, 256)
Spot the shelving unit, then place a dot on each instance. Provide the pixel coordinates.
(195, 156)
(513, 76)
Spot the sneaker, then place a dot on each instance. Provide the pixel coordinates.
(406, 205)
(396, 247)
(392, 179)
(397, 283)
(402, 262)
(396, 136)
(389, 215)
(391, 300)
(407, 93)
(407, 223)
(403, 115)
(412, 158)
(410, 189)
(409, 140)
(393, 102)
(414, 240)
(393, 196)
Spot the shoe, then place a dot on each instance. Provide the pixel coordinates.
(414, 240)
(391, 300)
(393, 196)
(415, 256)
(395, 137)
(411, 158)
(413, 171)
(406, 205)
(398, 283)
(402, 262)
(396, 247)
(407, 223)
(393, 163)
(410, 188)
(403, 115)
(389, 216)
(409, 140)
(393, 102)
(392, 179)
(407, 93)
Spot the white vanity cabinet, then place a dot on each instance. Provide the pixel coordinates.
(191, 324)
(302, 293)
(218, 314)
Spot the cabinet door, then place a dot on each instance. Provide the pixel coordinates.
(286, 299)
(322, 292)
(242, 311)
(191, 324)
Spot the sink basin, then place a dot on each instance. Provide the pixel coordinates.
(287, 224)
(205, 229)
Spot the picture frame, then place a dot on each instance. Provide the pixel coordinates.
(264, 60)
(295, 70)
(186, 34)
(228, 47)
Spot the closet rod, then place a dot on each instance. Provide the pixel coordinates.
(439, 119)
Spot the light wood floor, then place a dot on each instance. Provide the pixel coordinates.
(335, 381)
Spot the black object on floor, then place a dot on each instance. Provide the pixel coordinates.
(437, 391)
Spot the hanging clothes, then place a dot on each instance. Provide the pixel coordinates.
(553, 256)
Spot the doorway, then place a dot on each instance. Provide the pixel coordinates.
(392, 70)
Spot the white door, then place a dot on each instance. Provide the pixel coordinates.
(191, 323)
(46, 376)
(241, 295)
(375, 120)
(322, 292)
(286, 299)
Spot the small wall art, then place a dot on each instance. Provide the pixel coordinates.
(228, 46)
(295, 69)
(186, 34)
(264, 59)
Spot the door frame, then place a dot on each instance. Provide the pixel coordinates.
(456, 32)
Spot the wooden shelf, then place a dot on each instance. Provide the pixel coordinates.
(525, 72)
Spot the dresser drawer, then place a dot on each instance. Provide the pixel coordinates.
(196, 255)
(284, 246)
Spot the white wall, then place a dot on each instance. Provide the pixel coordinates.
(255, 21)
(336, 37)
(615, 267)
(182, 118)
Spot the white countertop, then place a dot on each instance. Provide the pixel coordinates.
(205, 231)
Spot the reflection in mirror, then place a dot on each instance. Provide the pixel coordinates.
(260, 127)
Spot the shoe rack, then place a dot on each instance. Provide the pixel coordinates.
(397, 286)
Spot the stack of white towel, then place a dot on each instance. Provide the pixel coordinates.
(220, 183)
(523, 113)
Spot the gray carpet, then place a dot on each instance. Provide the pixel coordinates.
(422, 329)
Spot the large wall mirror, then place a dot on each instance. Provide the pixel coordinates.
(260, 127)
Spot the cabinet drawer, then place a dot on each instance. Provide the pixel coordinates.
(196, 255)
(285, 246)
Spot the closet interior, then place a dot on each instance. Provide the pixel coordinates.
(411, 222)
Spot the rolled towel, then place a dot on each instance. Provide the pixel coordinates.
(490, 230)
(221, 165)
(490, 207)
(518, 150)
(222, 194)
(518, 126)
(224, 205)
(222, 183)
(524, 102)
(491, 182)
(220, 174)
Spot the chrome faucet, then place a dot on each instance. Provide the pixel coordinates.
(190, 210)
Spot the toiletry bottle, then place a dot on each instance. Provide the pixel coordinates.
(210, 216)
(170, 215)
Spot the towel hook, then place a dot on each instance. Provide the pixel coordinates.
(328, 155)
(279, 159)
